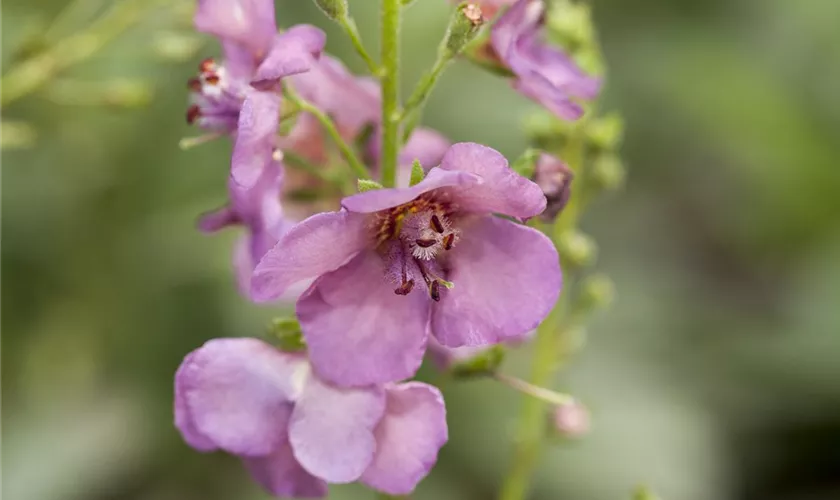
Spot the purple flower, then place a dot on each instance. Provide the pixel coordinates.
(543, 73)
(386, 265)
(259, 210)
(294, 432)
(555, 180)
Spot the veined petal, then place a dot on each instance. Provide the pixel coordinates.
(507, 279)
(293, 52)
(360, 332)
(256, 135)
(313, 247)
(501, 191)
(331, 430)
(408, 438)
(381, 199)
(238, 392)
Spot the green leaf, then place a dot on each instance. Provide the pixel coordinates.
(481, 365)
(287, 334)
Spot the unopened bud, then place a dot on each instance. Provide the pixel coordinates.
(365, 185)
(287, 335)
(607, 173)
(570, 24)
(334, 9)
(577, 249)
(605, 132)
(464, 25)
(571, 420)
(596, 292)
(555, 180)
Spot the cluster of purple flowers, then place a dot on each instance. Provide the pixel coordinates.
(383, 274)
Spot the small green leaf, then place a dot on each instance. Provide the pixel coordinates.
(417, 173)
(287, 334)
(365, 185)
(480, 365)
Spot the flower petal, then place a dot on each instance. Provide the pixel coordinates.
(381, 199)
(250, 23)
(238, 392)
(408, 438)
(311, 248)
(220, 218)
(558, 101)
(360, 332)
(256, 135)
(293, 52)
(331, 430)
(501, 191)
(183, 417)
(507, 279)
(281, 475)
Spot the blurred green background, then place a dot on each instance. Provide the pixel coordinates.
(715, 376)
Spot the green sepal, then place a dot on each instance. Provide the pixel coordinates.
(287, 335)
(526, 163)
(480, 365)
(365, 185)
(417, 173)
(334, 9)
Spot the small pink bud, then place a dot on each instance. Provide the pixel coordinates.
(571, 419)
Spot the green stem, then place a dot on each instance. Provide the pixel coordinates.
(555, 331)
(33, 73)
(390, 79)
(346, 151)
(414, 106)
(349, 26)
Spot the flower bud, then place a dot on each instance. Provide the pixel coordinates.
(570, 24)
(577, 249)
(596, 292)
(605, 132)
(607, 173)
(570, 420)
(555, 180)
(286, 334)
(464, 25)
(334, 9)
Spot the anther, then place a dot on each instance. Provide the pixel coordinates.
(448, 241)
(193, 113)
(436, 224)
(425, 243)
(405, 288)
(434, 290)
(194, 84)
(212, 79)
(207, 65)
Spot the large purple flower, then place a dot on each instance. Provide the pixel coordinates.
(396, 264)
(295, 432)
(543, 72)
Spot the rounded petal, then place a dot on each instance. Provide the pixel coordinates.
(507, 278)
(381, 199)
(360, 332)
(558, 101)
(501, 191)
(238, 392)
(281, 475)
(311, 248)
(408, 438)
(211, 222)
(183, 418)
(256, 137)
(331, 430)
(293, 52)
(425, 145)
(250, 23)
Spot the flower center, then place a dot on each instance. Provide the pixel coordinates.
(215, 98)
(415, 237)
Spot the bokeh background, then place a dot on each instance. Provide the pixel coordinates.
(715, 375)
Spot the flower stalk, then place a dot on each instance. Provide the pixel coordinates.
(390, 80)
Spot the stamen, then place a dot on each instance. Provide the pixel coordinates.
(194, 84)
(405, 288)
(212, 79)
(193, 114)
(207, 65)
(425, 243)
(448, 241)
(436, 224)
(434, 290)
